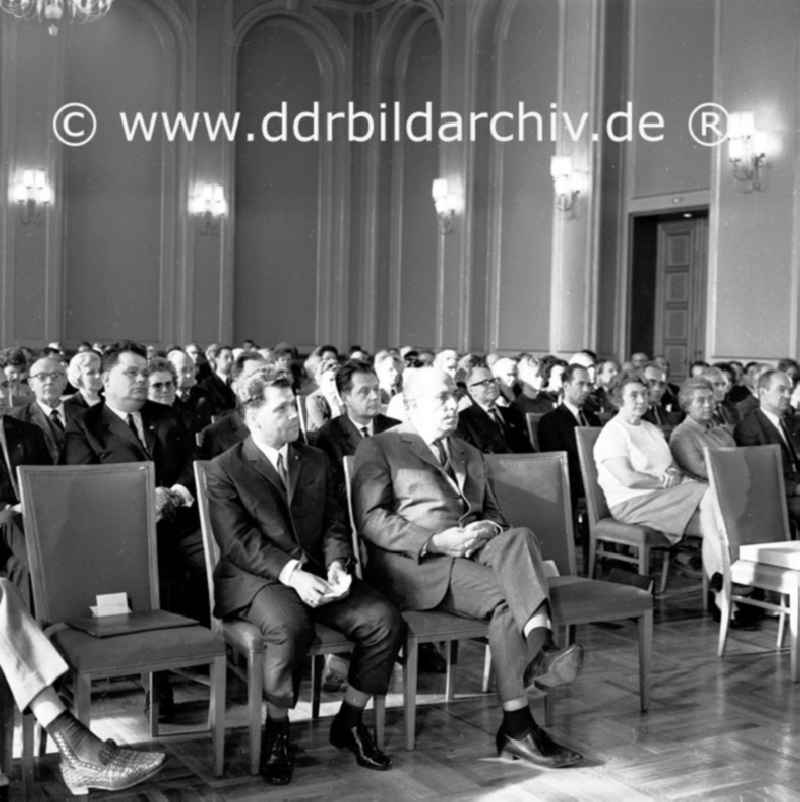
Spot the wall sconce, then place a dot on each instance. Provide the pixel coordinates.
(31, 192)
(565, 182)
(208, 202)
(446, 203)
(745, 149)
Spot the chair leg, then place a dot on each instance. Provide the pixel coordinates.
(645, 655)
(664, 571)
(782, 621)
(794, 620)
(255, 693)
(449, 678)
(487, 669)
(410, 690)
(83, 699)
(592, 559)
(317, 666)
(152, 692)
(217, 712)
(379, 707)
(644, 559)
(28, 724)
(724, 601)
(7, 708)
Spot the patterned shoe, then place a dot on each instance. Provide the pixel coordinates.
(116, 770)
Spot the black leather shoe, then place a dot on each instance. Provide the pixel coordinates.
(538, 749)
(277, 762)
(359, 741)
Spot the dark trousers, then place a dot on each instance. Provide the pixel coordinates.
(364, 616)
(504, 583)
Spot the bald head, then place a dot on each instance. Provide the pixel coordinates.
(429, 396)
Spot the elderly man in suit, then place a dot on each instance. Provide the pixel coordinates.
(127, 427)
(285, 548)
(48, 379)
(217, 386)
(437, 540)
(487, 426)
(768, 424)
(557, 428)
(191, 403)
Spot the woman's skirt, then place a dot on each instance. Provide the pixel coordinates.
(668, 510)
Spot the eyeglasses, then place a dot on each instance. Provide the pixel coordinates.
(484, 383)
(45, 376)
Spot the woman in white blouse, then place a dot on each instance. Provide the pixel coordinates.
(642, 483)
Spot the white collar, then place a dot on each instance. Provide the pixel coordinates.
(370, 427)
(137, 415)
(49, 410)
(272, 453)
(576, 411)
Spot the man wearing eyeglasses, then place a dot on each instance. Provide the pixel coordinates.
(48, 379)
(487, 426)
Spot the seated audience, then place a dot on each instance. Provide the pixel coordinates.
(217, 386)
(747, 398)
(552, 370)
(15, 367)
(725, 413)
(447, 360)
(283, 537)
(30, 665)
(697, 367)
(83, 373)
(161, 381)
(324, 403)
(506, 372)
(487, 426)
(670, 398)
(767, 424)
(530, 397)
(638, 360)
(438, 541)
(586, 359)
(698, 429)
(642, 483)
(191, 403)
(358, 388)
(389, 370)
(557, 427)
(48, 378)
(658, 412)
(600, 398)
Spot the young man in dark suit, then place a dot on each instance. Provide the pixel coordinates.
(285, 543)
(217, 386)
(557, 428)
(439, 541)
(492, 429)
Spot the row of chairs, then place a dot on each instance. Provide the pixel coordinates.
(84, 526)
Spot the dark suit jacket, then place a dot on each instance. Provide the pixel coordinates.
(32, 413)
(260, 527)
(219, 436)
(756, 429)
(747, 405)
(480, 430)
(220, 396)
(401, 497)
(195, 412)
(339, 438)
(557, 433)
(99, 436)
(665, 417)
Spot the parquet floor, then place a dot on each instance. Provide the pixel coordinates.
(716, 729)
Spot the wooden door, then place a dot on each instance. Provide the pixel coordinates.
(679, 323)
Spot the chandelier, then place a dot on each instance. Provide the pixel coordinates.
(53, 12)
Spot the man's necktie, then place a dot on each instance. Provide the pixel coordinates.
(582, 418)
(281, 469)
(364, 431)
(55, 417)
(444, 461)
(132, 424)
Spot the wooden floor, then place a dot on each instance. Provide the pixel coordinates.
(717, 729)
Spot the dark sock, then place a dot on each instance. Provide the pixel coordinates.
(349, 716)
(518, 723)
(83, 742)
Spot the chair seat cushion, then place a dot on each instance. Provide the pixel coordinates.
(611, 529)
(430, 625)
(138, 651)
(576, 600)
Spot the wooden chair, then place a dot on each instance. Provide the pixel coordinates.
(749, 488)
(605, 529)
(91, 529)
(422, 626)
(245, 640)
(532, 421)
(533, 490)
